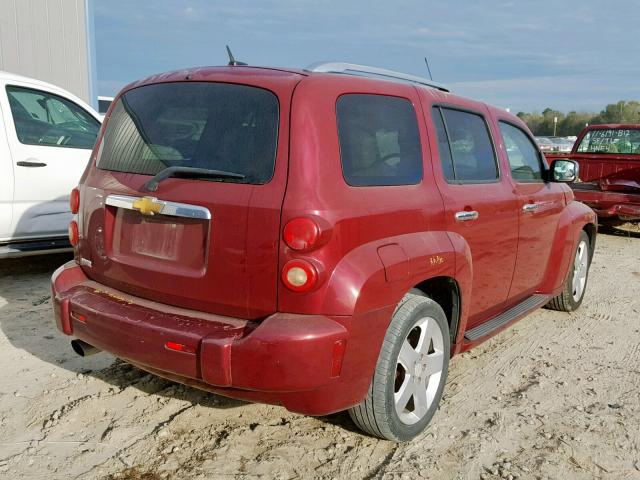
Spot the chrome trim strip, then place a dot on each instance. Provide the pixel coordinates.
(171, 209)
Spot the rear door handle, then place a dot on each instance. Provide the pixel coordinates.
(30, 163)
(466, 215)
(530, 207)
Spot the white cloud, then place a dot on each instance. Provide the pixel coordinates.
(534, 54)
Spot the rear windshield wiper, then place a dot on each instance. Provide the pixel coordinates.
(188, 172)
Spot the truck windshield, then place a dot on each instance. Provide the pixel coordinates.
(610, 140)
(215, 126)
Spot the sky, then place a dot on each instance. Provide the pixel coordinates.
(523, 55)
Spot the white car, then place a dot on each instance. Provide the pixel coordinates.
(46, 137)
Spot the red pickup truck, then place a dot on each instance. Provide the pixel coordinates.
(609, 178)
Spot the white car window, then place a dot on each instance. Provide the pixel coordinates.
(42, 118)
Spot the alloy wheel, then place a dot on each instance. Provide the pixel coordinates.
(418, 370)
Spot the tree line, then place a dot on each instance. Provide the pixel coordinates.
(573, 122)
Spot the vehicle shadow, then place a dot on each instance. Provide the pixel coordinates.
(628, 230)
(26, 320)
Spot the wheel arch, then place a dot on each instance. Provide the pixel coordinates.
(575, 218)
(445, 291)
(378, 274)
(591, 230)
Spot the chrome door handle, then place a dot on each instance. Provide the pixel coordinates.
(465, 216)
(530, 207)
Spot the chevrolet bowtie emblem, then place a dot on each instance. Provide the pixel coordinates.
(148, 205)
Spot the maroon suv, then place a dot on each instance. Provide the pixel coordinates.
(321, 239)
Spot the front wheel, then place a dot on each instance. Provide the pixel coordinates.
(410, 374)
(576, 283)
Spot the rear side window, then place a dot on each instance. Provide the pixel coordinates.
(524, 159)
(207, 125)
(379, 140)
(465, 146)
(44, 119)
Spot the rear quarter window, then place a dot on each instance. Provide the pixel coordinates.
(379, 140)
(207, 125)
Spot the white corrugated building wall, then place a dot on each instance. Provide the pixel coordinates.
(51, 40)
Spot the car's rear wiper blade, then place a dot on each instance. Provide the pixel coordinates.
(188, 172)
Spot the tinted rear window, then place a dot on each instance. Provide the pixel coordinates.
(379, 140)
(193, 124)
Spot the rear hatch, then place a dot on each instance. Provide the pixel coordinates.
(206, 237)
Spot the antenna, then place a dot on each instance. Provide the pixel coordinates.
(232, 61)
(428, 69)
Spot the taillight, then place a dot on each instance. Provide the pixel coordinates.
(301, 233)
(299, 275)
(73, 233)
(74, 200)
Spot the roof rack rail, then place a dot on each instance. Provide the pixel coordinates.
(372, 72)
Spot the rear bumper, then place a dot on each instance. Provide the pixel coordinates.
(299, 361)
(625, 206)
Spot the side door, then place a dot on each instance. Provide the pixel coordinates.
(50, 139)
(6, 181)
(479, 203)
(540, 204)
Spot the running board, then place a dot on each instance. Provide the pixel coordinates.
(36, 247)
(520, 310)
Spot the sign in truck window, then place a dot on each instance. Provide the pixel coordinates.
(611, 140)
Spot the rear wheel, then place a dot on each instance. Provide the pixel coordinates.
(576, 283)
(410, 374)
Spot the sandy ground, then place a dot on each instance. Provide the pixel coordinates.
(557, 396)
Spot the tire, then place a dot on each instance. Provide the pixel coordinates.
(419, 328)
(576, 283)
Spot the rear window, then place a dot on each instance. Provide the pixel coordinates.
(611, 140)
(379, 140)
(215, 126)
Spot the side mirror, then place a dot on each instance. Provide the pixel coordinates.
(564, 171)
